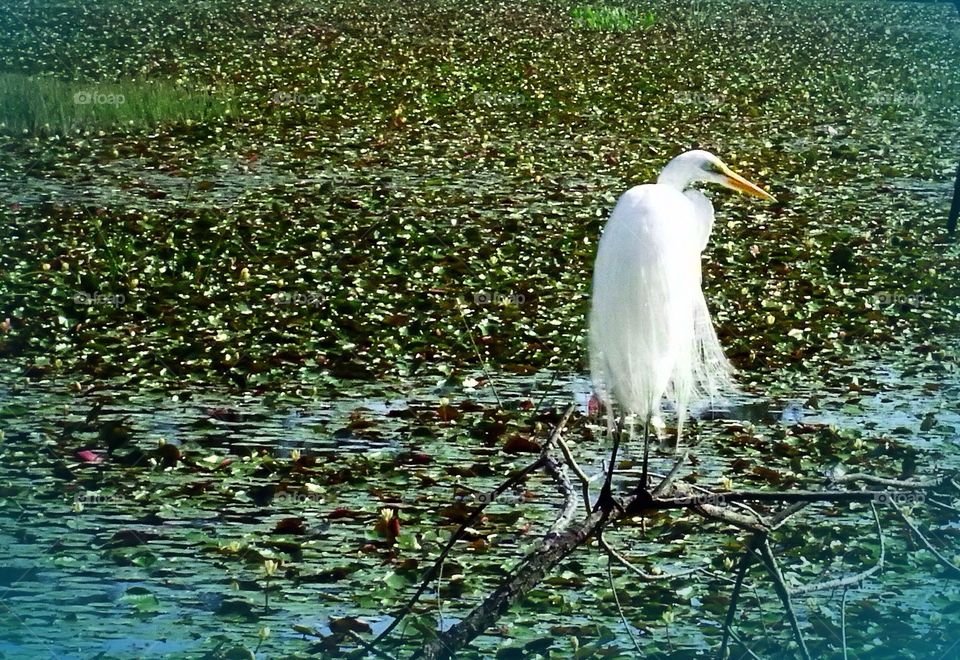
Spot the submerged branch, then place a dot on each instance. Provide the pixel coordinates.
(567, 534)
(850, 580)
(780, 586)
(952, 568)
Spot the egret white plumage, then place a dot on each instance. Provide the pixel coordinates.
(651, 335)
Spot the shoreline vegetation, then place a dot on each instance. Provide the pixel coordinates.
(43, 107)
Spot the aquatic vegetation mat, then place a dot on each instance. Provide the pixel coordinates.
(397, 178)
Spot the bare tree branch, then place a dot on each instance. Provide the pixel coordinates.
(669, 479)
(735, 597)
(584, 479)
(567, 534)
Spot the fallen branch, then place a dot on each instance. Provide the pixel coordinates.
(472, 520)
(567, 534)
(550, 552)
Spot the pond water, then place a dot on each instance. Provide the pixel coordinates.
(112, 554)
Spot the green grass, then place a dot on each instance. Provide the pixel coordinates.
(47, 106)
(610, 18)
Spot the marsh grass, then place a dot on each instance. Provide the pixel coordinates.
(610, 18)
(46, 106)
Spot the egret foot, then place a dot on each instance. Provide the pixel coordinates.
(641, 503)
(606, 502)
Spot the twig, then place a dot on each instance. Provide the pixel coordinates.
(843, 622)
(850, 477)
(368, 646)
(559, 475)
(772, 496)
(780, 586)
(616, 599)
(738, 520)
(953, 568)
(739, 641)
(732, 609)
(546, 391)
(781, 517)
(483, 363)
(557, 430)
(756, 597)
(942, 505)
(439, 598)
(671, 476)
(646, 577)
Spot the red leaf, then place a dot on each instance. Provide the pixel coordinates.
(88, 456)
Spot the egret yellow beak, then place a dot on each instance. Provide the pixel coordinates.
(737, 182)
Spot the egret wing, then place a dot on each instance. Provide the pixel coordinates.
(645, 283)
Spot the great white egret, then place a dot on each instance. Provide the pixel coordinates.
(650, 330)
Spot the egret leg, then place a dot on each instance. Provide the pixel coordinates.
(642, 497)
(605, 501)
(646, 453)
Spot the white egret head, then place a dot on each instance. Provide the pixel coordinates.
(702, 166)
